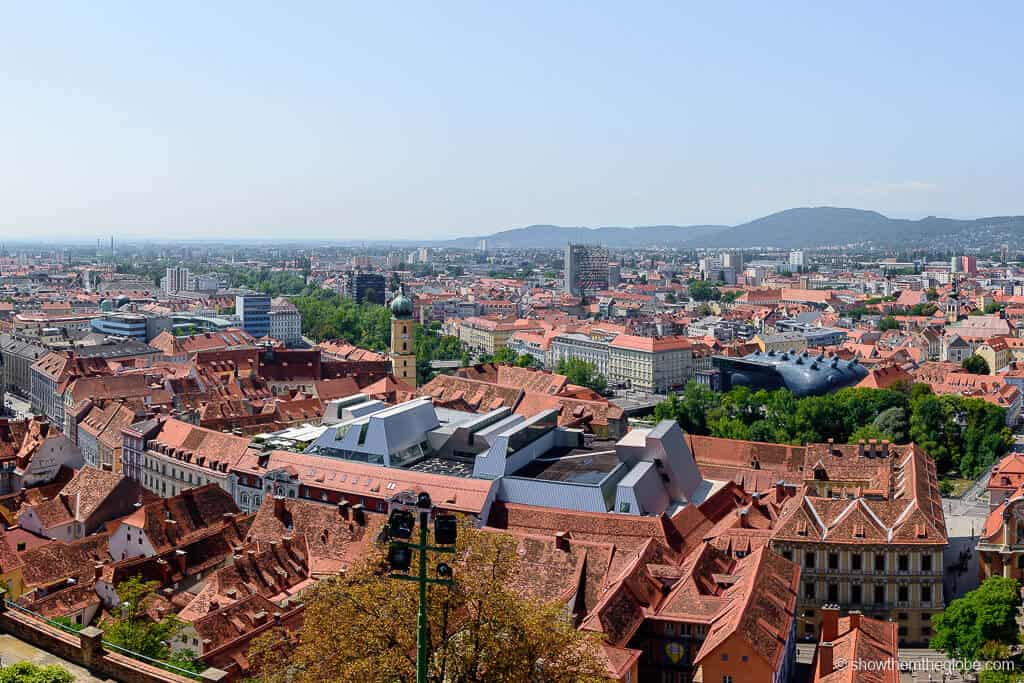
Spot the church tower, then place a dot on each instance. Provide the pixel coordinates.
(403, 330)
(953, 302)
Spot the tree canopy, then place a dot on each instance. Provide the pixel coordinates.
(960, 433)
(134, 631)
(703, 290)
(361, 626)
(976, 365)
(583, 373)
(985, 616)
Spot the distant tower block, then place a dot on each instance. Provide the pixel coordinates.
(403, 330)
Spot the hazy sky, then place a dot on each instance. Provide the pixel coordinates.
(371, 119)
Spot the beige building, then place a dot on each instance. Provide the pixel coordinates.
(864, 522)
(653, 364)
(781, 342)
(868, 533)
(996, 353)
(487, 335)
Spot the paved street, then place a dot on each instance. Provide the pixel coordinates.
(964, 519)
(17, 407)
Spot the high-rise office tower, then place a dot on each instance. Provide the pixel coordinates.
(586, 269)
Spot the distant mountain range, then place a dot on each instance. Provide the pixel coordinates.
(793, 228)
(556, 236)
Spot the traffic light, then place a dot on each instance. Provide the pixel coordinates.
(445, 529)
(400, 524)
(400, 557)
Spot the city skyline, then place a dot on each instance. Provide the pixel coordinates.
(359, 122)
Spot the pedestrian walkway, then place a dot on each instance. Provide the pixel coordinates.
(13, 650)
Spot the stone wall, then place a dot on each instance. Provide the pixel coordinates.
(86, 649)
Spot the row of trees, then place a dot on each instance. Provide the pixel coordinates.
(964, 435)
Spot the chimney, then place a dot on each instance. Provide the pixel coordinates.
(214, 604)
(279, 506)
(343, 508)
(231, 593)
(860, 448)
(825, 664)
(829, 623)
(277, 618)
(165, 569)
(873, 446)
(855, 619)
(359, 514)
(885, 447)
(742, 513)
(831, 446)
(780, 490)
(562, 540)
(97, 569)
(180, 559)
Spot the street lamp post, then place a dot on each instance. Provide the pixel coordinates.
(399, 527)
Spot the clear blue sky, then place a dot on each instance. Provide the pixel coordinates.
(371, 119)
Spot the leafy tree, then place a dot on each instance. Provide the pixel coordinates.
(923, 309)
(133, 630)
(868, 432)
(893, 421)
(361, 626)
(976, 365)
(27, 672)
(510, 357)
(703, 290)
(982, 616)
(992, 307)
(583, 373)
(888, 323)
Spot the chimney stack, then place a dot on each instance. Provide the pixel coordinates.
(343, 509)
(860, 448)
(825, 663)
(855, 619)
(829, 623)
(359, 514)
(562, 540)
(278, 506)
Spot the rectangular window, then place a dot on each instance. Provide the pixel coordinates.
(855, 594)
(788, 554)
(926, 562)
(903, 594)
(809, 559)
(879, 562)
(926, 593)
(809, 590)
(879, 595)
(833, 592)
(833, 560)
(903, 563)
(856, 561)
